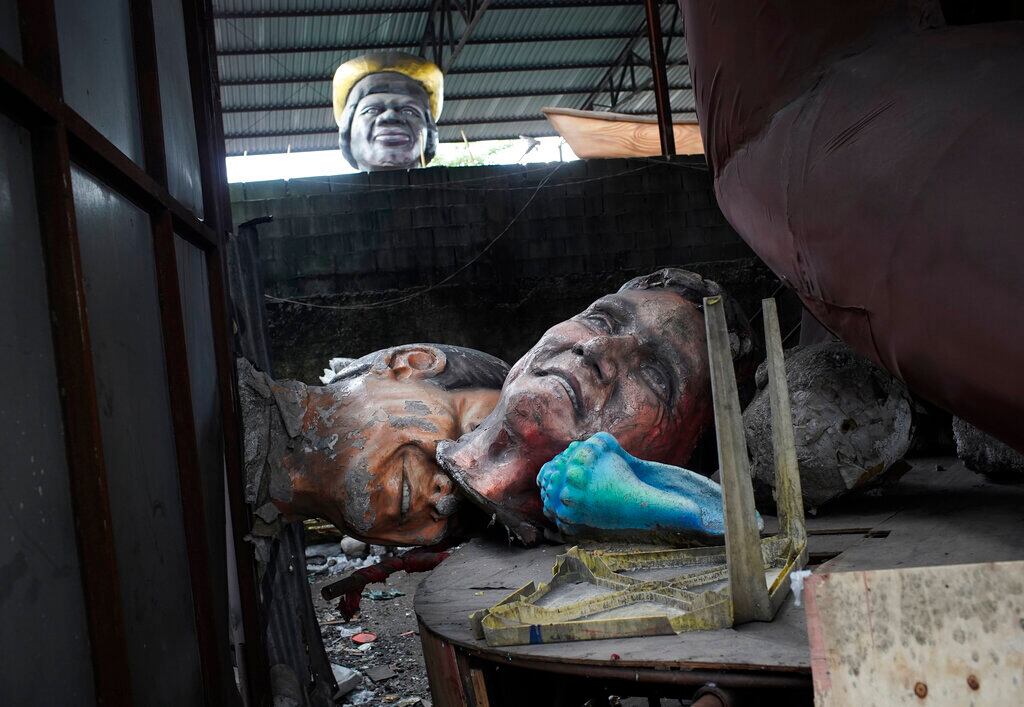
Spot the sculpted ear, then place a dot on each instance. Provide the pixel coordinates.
(415, 361)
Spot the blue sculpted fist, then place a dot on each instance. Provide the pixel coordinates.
(595, 488)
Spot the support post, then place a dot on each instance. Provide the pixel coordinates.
(661, 98)
(788, 496)
(747, 586)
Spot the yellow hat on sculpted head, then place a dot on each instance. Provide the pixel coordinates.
(417, 68)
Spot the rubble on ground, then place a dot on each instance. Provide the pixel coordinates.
(390, 669)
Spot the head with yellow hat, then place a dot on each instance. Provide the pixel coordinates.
(386, 106)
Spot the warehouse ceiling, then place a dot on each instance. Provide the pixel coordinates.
(503, 59)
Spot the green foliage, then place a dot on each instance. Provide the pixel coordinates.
(472, 155)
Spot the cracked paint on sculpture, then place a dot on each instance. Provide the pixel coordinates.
(633, 364)
(360, 451)
(596, 489)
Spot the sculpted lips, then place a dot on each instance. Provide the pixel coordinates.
(392, 137)
(570, 384)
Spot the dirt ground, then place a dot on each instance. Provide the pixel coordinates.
(397, 646)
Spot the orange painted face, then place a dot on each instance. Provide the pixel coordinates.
(365, 456)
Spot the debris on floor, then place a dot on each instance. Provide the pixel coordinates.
(346, 678)
(390, 670)
(381, 673)
(383, 594)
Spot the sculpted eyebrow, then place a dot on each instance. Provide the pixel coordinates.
(623, 311)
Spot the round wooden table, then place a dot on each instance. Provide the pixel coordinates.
(939, 514)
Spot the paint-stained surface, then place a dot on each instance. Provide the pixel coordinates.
(634, 364)
(359, 451)
(595, 486)
(926, 636)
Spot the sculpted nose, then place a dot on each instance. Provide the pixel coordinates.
(603, 353)
(441, 496)
(390, 116)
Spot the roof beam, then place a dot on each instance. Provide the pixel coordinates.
(443, 124)
(439, 30)
(459, 71)
(406, 10)
(564, 91)
(383, 46)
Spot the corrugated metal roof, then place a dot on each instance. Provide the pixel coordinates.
(277, 57)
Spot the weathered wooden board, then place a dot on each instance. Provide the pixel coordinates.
(593, 134)
(939, 513)
(949, 635)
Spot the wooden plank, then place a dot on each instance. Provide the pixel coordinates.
(787, 474)
(948, 515)
(934, 635)
(592, 135)
(442, 670)
(750, 600)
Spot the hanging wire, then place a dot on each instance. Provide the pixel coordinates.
(406, 298)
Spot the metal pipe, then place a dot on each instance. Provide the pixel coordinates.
(661, 97)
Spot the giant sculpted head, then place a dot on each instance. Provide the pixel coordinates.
(386, 106)
(360, 451)
(633, 364)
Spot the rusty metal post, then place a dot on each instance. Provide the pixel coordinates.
(668, 138)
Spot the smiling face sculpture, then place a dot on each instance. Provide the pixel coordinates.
(633, 364)
(360, 451)
(386, 106)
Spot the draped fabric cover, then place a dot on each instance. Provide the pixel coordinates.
(874, 158)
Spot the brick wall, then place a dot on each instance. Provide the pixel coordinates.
(356, 240)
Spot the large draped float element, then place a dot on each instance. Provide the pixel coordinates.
(872, 157)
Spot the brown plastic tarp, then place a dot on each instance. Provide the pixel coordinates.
(874, 158)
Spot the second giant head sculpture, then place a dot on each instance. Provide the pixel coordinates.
(634, 364)
(386, 106)
(360, 451)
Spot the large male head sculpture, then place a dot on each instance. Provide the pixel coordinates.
(360, 451)
(633, 364)
(386, 106)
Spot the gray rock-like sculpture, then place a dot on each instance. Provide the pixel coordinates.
(852, 422)
(985, 454)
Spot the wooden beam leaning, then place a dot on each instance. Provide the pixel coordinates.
(750, 599)
(199, 40)
(788, 495)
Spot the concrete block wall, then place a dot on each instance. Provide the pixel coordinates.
(399, 257)
(398, 230)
